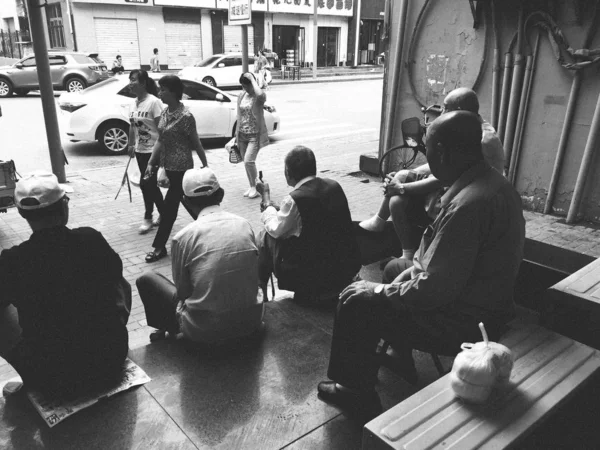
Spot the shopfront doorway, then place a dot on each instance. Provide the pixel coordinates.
(370, 44)
(288, 43)
(328, 46)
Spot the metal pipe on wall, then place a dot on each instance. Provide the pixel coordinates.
(588, 153)
(394, 86)
(496, 68)
(525, 96)
(564, 135)
(508, 64)
(515, 91)
(562, 143)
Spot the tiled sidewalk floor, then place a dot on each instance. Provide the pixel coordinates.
(93, 204)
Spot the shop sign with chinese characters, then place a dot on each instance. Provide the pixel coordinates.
(325, 7)
(240, 12)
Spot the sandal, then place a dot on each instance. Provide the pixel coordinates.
(156, 255)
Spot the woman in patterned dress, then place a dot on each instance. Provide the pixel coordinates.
(251, 130)
(173, 151)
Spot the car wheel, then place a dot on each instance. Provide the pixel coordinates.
(75, 85)
(114, 138)
(6, 88)
(21, 92)
(210, 81)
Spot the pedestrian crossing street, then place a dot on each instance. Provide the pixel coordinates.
(301, 128)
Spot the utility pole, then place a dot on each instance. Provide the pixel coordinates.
(57, 156)
(245, 48)
(358, 6)
(315, 38)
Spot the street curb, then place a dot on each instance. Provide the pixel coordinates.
(328, 80)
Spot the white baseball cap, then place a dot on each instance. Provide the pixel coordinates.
(200, 182)
(38, 190)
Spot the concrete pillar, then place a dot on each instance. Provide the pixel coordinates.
(206, 33)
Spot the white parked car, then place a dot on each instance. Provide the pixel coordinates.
(220, 70)
(100, 113)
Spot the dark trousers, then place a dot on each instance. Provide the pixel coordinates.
(159, 297)
(267, 255)
(296, 279)
(359, 325)
(170, 208)
(150, 191)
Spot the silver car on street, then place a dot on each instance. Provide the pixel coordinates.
(70, 71)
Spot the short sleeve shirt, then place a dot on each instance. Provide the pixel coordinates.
(214, 261)
(142, 120)
(175, 130)
(249, 124)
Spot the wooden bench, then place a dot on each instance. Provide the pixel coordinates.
(573, 305)
(548, 369)
(581, 289)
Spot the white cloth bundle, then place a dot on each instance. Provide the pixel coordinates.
(479, 368)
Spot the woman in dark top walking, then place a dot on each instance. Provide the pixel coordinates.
(173, 151)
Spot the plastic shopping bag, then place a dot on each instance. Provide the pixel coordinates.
(133, 172)
(162, 180)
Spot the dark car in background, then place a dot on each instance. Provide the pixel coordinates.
(70, 71)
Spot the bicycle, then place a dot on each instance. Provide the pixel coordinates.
(8, 180)
(403, 156)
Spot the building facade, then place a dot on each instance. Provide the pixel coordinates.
(187, 31)
(369, 15)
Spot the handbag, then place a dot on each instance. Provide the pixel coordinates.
(162, 180)
(235, 157)
(232, 148)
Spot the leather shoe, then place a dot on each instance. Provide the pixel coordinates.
(365, 406)
(156, 255)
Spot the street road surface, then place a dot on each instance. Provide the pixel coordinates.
(331, 114)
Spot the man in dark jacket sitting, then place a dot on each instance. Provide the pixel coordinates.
(308, 240)
(464, 273)
(65, 303)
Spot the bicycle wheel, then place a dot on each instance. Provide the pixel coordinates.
(397, 158)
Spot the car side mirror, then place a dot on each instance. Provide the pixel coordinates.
(219, 97)
(19, 65)
(221, 65)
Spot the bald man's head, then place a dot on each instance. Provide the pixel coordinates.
(453, 144)
(462, 99)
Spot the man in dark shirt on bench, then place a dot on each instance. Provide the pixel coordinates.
(464, 273)
(65, 303)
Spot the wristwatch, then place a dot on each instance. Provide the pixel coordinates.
(379, 289)
(401, 189)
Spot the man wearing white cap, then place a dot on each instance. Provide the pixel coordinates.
(214, 298)
(65, 303)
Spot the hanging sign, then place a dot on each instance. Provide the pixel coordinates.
(240, 12)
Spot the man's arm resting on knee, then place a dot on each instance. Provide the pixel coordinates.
(450, 259)
(283, 223)
(181, 276)
(420, 187)
(8, 276)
